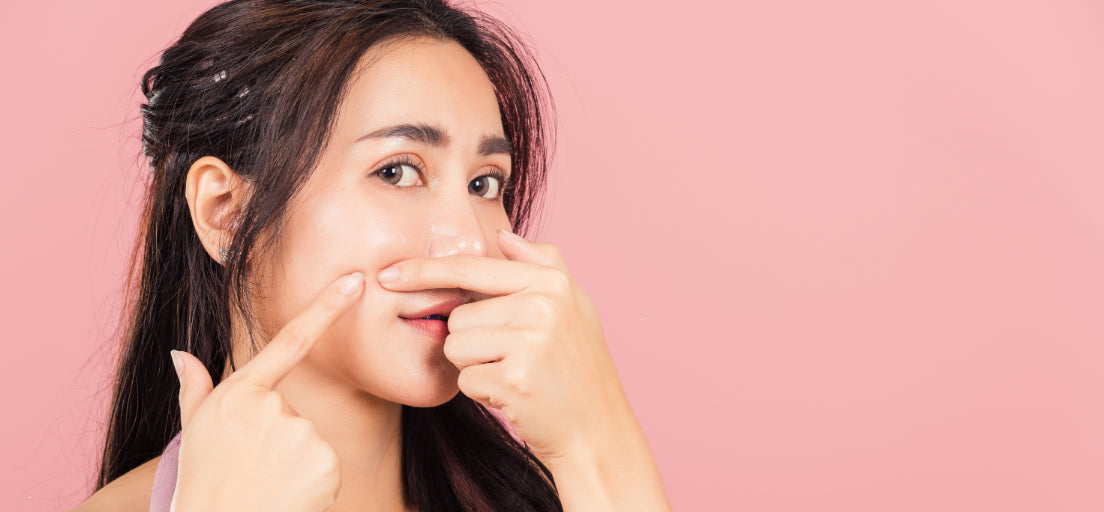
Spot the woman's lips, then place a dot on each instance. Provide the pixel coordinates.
(437, 329)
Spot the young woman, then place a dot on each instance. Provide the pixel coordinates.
(327, 264)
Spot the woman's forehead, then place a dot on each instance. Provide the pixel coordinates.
(421, 81)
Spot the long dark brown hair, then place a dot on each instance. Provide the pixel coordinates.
(258, 83)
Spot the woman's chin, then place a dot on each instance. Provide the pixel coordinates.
(428, 386)
(428, 398)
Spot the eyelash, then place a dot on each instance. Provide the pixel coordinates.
(505, 183)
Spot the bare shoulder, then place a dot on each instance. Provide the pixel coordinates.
(128, 493)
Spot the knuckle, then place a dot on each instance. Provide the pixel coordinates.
(413, 273)
(303, 426)
(559, 281)
(186, 393)
(517, 379)
(454, 316)
(552, 250)
(229, 404)
(542, 247)
(295, 336)
(328, 459)
(300, 430)
(463, 381)
(540, 309)
(452, 346)
(271, 403)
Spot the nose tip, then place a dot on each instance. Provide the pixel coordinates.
(448, 242)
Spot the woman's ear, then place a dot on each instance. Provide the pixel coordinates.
(215, 197)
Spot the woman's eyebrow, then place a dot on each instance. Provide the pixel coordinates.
(437, 137)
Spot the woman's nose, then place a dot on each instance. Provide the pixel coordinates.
(458, 232)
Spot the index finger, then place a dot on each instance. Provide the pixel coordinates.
(482, 274)
(298, 336)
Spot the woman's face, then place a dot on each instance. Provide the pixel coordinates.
(362, 210)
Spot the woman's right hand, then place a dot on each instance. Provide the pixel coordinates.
(243, 448)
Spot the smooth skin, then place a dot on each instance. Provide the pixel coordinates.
(530, 343)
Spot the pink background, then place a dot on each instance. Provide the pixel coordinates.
(848, 255)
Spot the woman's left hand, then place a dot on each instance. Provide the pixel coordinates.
(535, 350)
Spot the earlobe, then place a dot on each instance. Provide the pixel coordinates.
(215, 195)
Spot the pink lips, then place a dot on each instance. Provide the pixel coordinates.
(443, 308)
(438, 329)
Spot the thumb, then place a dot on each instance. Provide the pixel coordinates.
(195, 384)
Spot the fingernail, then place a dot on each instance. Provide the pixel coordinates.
(177, 363)
(351, 283)
(513, 235)
(388, 274)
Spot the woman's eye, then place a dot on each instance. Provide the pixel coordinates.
(487, 182)
(397, 176)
